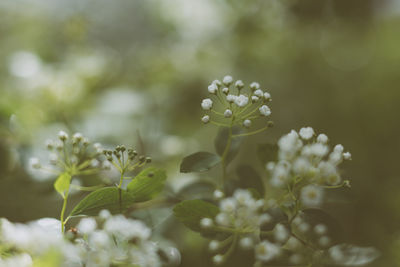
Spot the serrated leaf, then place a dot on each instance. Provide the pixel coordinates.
(147, 184)
(143, 187)
(199, 162)
(267, 152)
(350, 255)
(249, 178)
(221, 141)
(190, 212)
(61, 185)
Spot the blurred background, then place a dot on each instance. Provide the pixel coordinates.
(134, 72)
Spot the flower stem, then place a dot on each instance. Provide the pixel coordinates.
(63, 212)
(225, 154)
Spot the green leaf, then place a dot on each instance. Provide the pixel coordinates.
(198, 189)
(147, 184)
(62, 183)
(350, 255)
(190, 212)
(104, 198)
(221, 141)
(267, 152)
(199, 162)
(143, 187)
(249, 178)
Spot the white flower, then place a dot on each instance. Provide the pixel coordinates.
(246, 243)
(306, 133)
(218, 194)
(264, 110)
(320, 229)
(228, 113)
(206, 104)
(62, 135)
(258, 93)
(324, 241)
(205, 119)
(99, 239)
(267, 96)
(35, 163)
(247, 123)
(241, 100)
(304, 227)
(254, 98)
(228, 205)
(217, 82)
(322, 138)
(231, 98)
(223, 219)
(266, 251)
(126, 229)
(347, 156)
(214, 245)
(212, 88)
(218, 259)
(239, 84)
(77, 137)
(227, 80)
(312, 195)
(265, 218)
(254, 85)
(338, 148)
(281, 234)
(206, 222)
(87, 225)
(104, 214)
(301, 165)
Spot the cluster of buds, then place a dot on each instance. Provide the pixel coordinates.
(124, 159)
(231, 104)
(76, 155)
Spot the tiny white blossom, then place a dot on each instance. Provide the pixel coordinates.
(239, 84)
(295, 259)
(247, 123)
(227, 80)
(218, 259)
(281, 234)
(241, 100)
(77, 137)
(265, 218)
(228, 205)
(222, 219)
(225, 90)
(214, 245)
(205, 119)
(267, 96)
(246, 243)
(306, 133)
(322, 138)
(87, 225)
(338, 148)
(228, 113)
(218, 194)
(62, 135)
(320, 229)
(254, 85)
(347, 156)
(266, 251)
(231, 98)
(311, 195)
(212, 88)
(254, 98)
(207, 104)
(304, 227)
(104, 214)
(324, 241)
(258, 93)
(206, 222)
(265, 110)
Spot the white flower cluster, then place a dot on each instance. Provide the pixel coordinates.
(75, 151)
(108, 241)
(304, 158)
(243, 215)
(238, 106)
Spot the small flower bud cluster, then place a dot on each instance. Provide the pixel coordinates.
(75, 154)
(125, 159)
(229, 100)
(306, 158)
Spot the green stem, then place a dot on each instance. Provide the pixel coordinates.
(63, 211)
(251, 133)
(225, 154)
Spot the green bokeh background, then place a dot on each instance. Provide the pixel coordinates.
(135, 72)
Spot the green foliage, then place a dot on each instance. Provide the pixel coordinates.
(145, 186)
(250, 179)
(199, 162)
(221, 140)
(62, 183)
(199, 189)
(190, 212)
